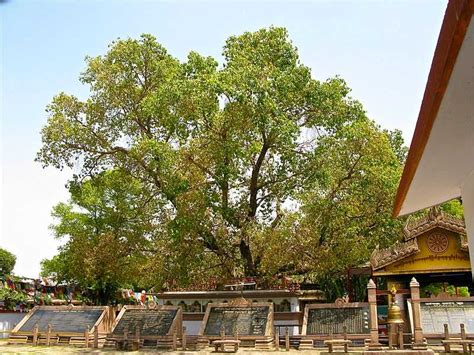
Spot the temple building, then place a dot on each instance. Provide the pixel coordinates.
(434, 249)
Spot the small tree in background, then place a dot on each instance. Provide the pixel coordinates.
(7, 262)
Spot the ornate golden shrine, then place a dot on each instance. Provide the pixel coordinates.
(436, 243)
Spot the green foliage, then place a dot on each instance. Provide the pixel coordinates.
(438, 287)
(454, 208)
(249, 168)
(432, 289)
(347, 207)
(333, 287)
(464, 291)
(107, 231)
(7, 262)
(360, 287)
(12, 297)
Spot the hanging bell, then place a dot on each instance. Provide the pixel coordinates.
(394, 314)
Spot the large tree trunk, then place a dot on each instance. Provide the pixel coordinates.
(250, 268)
(246, 253)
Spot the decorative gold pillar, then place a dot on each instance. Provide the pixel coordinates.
(418, 342)
(374, 327)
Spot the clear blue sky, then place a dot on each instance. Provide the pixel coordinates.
(382, 49)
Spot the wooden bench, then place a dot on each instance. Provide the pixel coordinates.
(338, 342)
(331, 343)
(463, 341)
(219, 345)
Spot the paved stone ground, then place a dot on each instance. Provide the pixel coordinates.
(24, 349)
(5, 348)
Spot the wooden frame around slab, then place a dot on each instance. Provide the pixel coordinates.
(176, 325)
(452, 332)
(269, 329)
(333, 306)
(101, 323)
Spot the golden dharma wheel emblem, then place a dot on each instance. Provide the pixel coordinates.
(438, 243)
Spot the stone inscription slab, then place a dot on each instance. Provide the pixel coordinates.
(435, 314)
(326, 320)
(62, 321)
(240, 320)
(152, 322)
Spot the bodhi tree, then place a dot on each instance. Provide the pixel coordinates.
(246, 160)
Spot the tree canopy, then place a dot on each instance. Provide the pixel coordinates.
(192, 168)
(7, 262)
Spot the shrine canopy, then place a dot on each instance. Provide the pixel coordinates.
(440, 163)
(434, 249)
